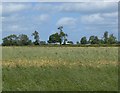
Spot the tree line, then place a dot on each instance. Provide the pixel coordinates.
(56, 38)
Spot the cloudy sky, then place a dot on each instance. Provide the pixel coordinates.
(78, 19)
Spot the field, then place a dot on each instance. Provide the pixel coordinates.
(60, 68)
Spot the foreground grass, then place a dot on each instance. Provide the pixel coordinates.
(60, 68)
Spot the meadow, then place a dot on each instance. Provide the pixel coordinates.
(60, 68)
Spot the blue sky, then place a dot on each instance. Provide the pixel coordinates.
(78, 19)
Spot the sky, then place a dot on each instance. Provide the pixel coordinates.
(77, 19)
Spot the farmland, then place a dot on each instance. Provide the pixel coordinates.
(60, 68)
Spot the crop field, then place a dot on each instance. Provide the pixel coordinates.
(60, 68)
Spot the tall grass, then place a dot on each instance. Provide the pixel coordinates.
(60, 68)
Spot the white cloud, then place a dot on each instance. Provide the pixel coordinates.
(20, 0)
(14, 28)
(67, 21)
(14, 7)
(111, 15)
(44, 7)
(100, 18)
(89, 7)
(94, 18)
(15, 19)
(0, 9)
(84, 7)
(0, 21)
(43, 18)
(111, 0)
(81, 7)
(59, 0)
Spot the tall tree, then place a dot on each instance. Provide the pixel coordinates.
(83, 40)
(60, 37)
(105, 36)
(112, 39)
(36, 37)
(91, 39)
(63, 36)
(96, 40)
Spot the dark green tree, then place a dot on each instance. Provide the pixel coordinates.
(54, 38)
(58, 37)
(93, 40)
(70, 42)
(10, 40)
(36, 37)
(101, 41)
(105, 37)
(112, 39)
(77, 42)
(24, 40)
(42, 42)
(96, 40)
(83, 40)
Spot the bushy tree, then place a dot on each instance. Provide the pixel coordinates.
(54, 38)
(58, 37)
(42, 42)
(77, 42)
(112, 39)
(96, 40)
(24, 40)
(70, 42)
(83, 40)
(10, 40)
(14, 40)
(93, 40)
(101, 41)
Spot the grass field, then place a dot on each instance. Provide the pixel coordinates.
(60, 68)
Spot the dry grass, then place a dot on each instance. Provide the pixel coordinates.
(53, 63)
(56, 69)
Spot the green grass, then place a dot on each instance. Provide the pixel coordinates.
(60, 68)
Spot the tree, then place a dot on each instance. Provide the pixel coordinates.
(118, 42)
(24, 40)
(77, 42)
(83, 40)
(101, 41)
(96, 40)
(62, 35)
(105, 36)
(10, 40)
(58, 37)
(70, 42)
(93, 40)
(36, 37)
(112, 39)
(54, 38)
(43, 42)
(14, 40)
